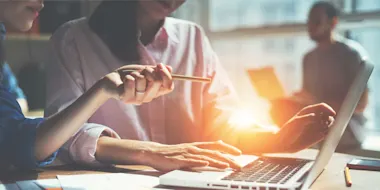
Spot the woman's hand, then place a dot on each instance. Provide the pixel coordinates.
(190, 155)
(137, 84)
(166, 157)
(306, 128)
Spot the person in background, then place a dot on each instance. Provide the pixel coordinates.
(9, 81)
(29, 143)
(328, 70)
(124, 32)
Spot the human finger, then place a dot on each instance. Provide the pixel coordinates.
(211, 162)
(318, 108)
(219, 146)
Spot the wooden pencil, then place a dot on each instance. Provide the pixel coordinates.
(184, 77)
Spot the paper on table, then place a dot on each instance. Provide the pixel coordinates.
(133, 180)
(12, 186)
(83, 182)
(108, 181)
(38, 184)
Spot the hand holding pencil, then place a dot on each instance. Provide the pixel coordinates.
(178, 77)
(137, 84)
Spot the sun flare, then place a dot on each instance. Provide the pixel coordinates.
(244, 119)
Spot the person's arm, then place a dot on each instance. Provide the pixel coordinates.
(57, 129)
(33, 143)
(305, 70)
(17, 135)
(303, 96)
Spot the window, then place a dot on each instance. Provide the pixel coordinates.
(367, 5)
(228, 15)
(366, 37)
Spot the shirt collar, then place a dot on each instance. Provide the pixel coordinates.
(166, 32)
(169, 29)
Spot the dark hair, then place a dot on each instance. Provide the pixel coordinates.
(330, 9)
(115, 22)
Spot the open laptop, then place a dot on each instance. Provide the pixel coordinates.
(264, 77)
(278, 173)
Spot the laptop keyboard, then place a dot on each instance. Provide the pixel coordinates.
(268, 170)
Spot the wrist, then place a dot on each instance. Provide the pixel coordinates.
(122, 151)
(106, 88)
(146, 154)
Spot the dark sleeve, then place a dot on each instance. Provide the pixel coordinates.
(10, 83)
(353, 62)
(18, 135)
(305, 74)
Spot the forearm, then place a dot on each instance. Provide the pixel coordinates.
(122, 151)
(57, 129)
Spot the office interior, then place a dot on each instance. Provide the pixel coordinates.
(245, 34)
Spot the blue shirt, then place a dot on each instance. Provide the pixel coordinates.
(17, 133)
(9, 82)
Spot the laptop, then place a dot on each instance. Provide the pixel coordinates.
(278, 172)
(264, 77)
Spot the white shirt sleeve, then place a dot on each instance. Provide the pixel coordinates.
(64, 85)
(219, 97)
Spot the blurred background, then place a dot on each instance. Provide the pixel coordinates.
(246, 34)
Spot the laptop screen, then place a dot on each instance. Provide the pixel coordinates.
(343, 117)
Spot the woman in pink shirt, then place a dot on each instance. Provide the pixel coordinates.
(124, 32)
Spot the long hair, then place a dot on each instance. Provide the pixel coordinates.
(115, 22)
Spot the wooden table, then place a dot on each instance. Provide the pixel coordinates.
(331, 178)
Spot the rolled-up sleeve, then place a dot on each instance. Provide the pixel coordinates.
(65, 84)
(82, 146)
(18, 135)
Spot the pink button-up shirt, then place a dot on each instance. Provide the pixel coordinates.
(192, 112)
